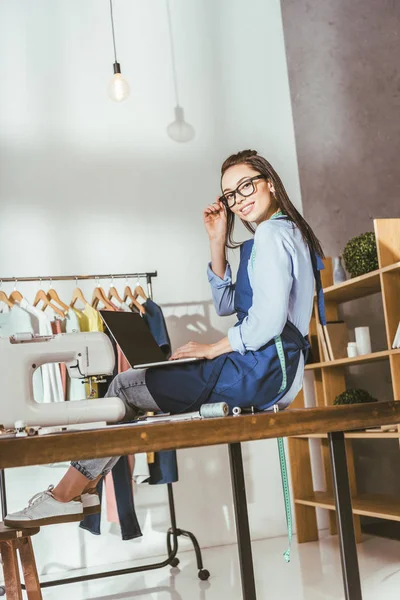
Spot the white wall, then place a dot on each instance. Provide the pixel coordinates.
(90, 186)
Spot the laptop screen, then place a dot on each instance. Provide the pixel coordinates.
(133, 336)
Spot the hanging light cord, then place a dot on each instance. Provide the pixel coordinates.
(172, 52)
(113, 32)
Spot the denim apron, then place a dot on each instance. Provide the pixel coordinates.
(257, 379)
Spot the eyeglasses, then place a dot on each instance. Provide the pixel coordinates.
(245, 189)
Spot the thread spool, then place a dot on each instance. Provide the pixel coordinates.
(236, 411)
(218, 409)
(19, 427)
(31, 431)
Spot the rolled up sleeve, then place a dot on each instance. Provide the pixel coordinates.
(271, 282)
(223, 291)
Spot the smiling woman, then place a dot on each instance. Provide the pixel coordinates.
(261, 361)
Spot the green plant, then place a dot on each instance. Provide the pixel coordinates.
(354, 396)
(360, 255)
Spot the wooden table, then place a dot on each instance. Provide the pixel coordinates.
(130, 439)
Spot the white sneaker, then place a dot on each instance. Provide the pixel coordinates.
(91, 502)
(44, 509)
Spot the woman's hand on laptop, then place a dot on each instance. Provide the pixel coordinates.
(196, 350)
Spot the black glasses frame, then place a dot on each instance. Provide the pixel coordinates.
(224, 199)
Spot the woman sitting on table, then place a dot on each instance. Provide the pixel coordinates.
(261, 361)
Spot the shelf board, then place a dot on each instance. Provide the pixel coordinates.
(390, 268)
(371, 505)
(357, 360)
(358, 287)
(357, 435)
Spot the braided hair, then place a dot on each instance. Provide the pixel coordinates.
(263, 167)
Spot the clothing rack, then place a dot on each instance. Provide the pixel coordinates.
(173, 532)
(50, 279)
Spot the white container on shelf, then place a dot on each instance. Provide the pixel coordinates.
(352, 349)
(363, 340)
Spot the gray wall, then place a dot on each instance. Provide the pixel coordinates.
(343, 60)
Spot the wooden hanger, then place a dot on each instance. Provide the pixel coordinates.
(100, 297)
(113, 293)
(41, 296)
(139, 291)
(77, 294)
(52, 295)
(15, 295)
(134, 302)
(4, 298)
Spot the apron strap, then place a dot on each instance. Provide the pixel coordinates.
(318, 265)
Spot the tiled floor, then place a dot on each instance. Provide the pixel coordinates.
(313, 574)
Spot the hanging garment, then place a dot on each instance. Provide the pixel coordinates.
(118, 484)
(164, 468)
(52, 384)
(130, 528)
(109, 481)
(56, 327)
(75, 387)
(164, 465)
(273, 299)
(155, 321)
(17, 320)
(89, 320)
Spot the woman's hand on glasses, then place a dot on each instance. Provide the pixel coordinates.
(215, 221)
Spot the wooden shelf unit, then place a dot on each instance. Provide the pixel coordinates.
(329, 381)
(379, 506)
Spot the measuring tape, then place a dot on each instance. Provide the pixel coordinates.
(282, 360)
(281, 451)
(286, 493)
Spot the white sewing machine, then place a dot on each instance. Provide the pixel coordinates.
(85, 354)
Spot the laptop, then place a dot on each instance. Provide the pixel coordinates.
(137, 344)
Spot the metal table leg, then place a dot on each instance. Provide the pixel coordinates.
(242, 522)
(344, 515)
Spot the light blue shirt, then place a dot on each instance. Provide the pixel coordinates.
(282, 280)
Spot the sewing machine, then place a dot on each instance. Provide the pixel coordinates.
(85, 355)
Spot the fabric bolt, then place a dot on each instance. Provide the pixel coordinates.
(252, 375)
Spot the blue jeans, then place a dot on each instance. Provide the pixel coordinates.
(131, 388)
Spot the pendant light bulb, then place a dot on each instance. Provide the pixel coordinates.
(179, 130)
(118, 89)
